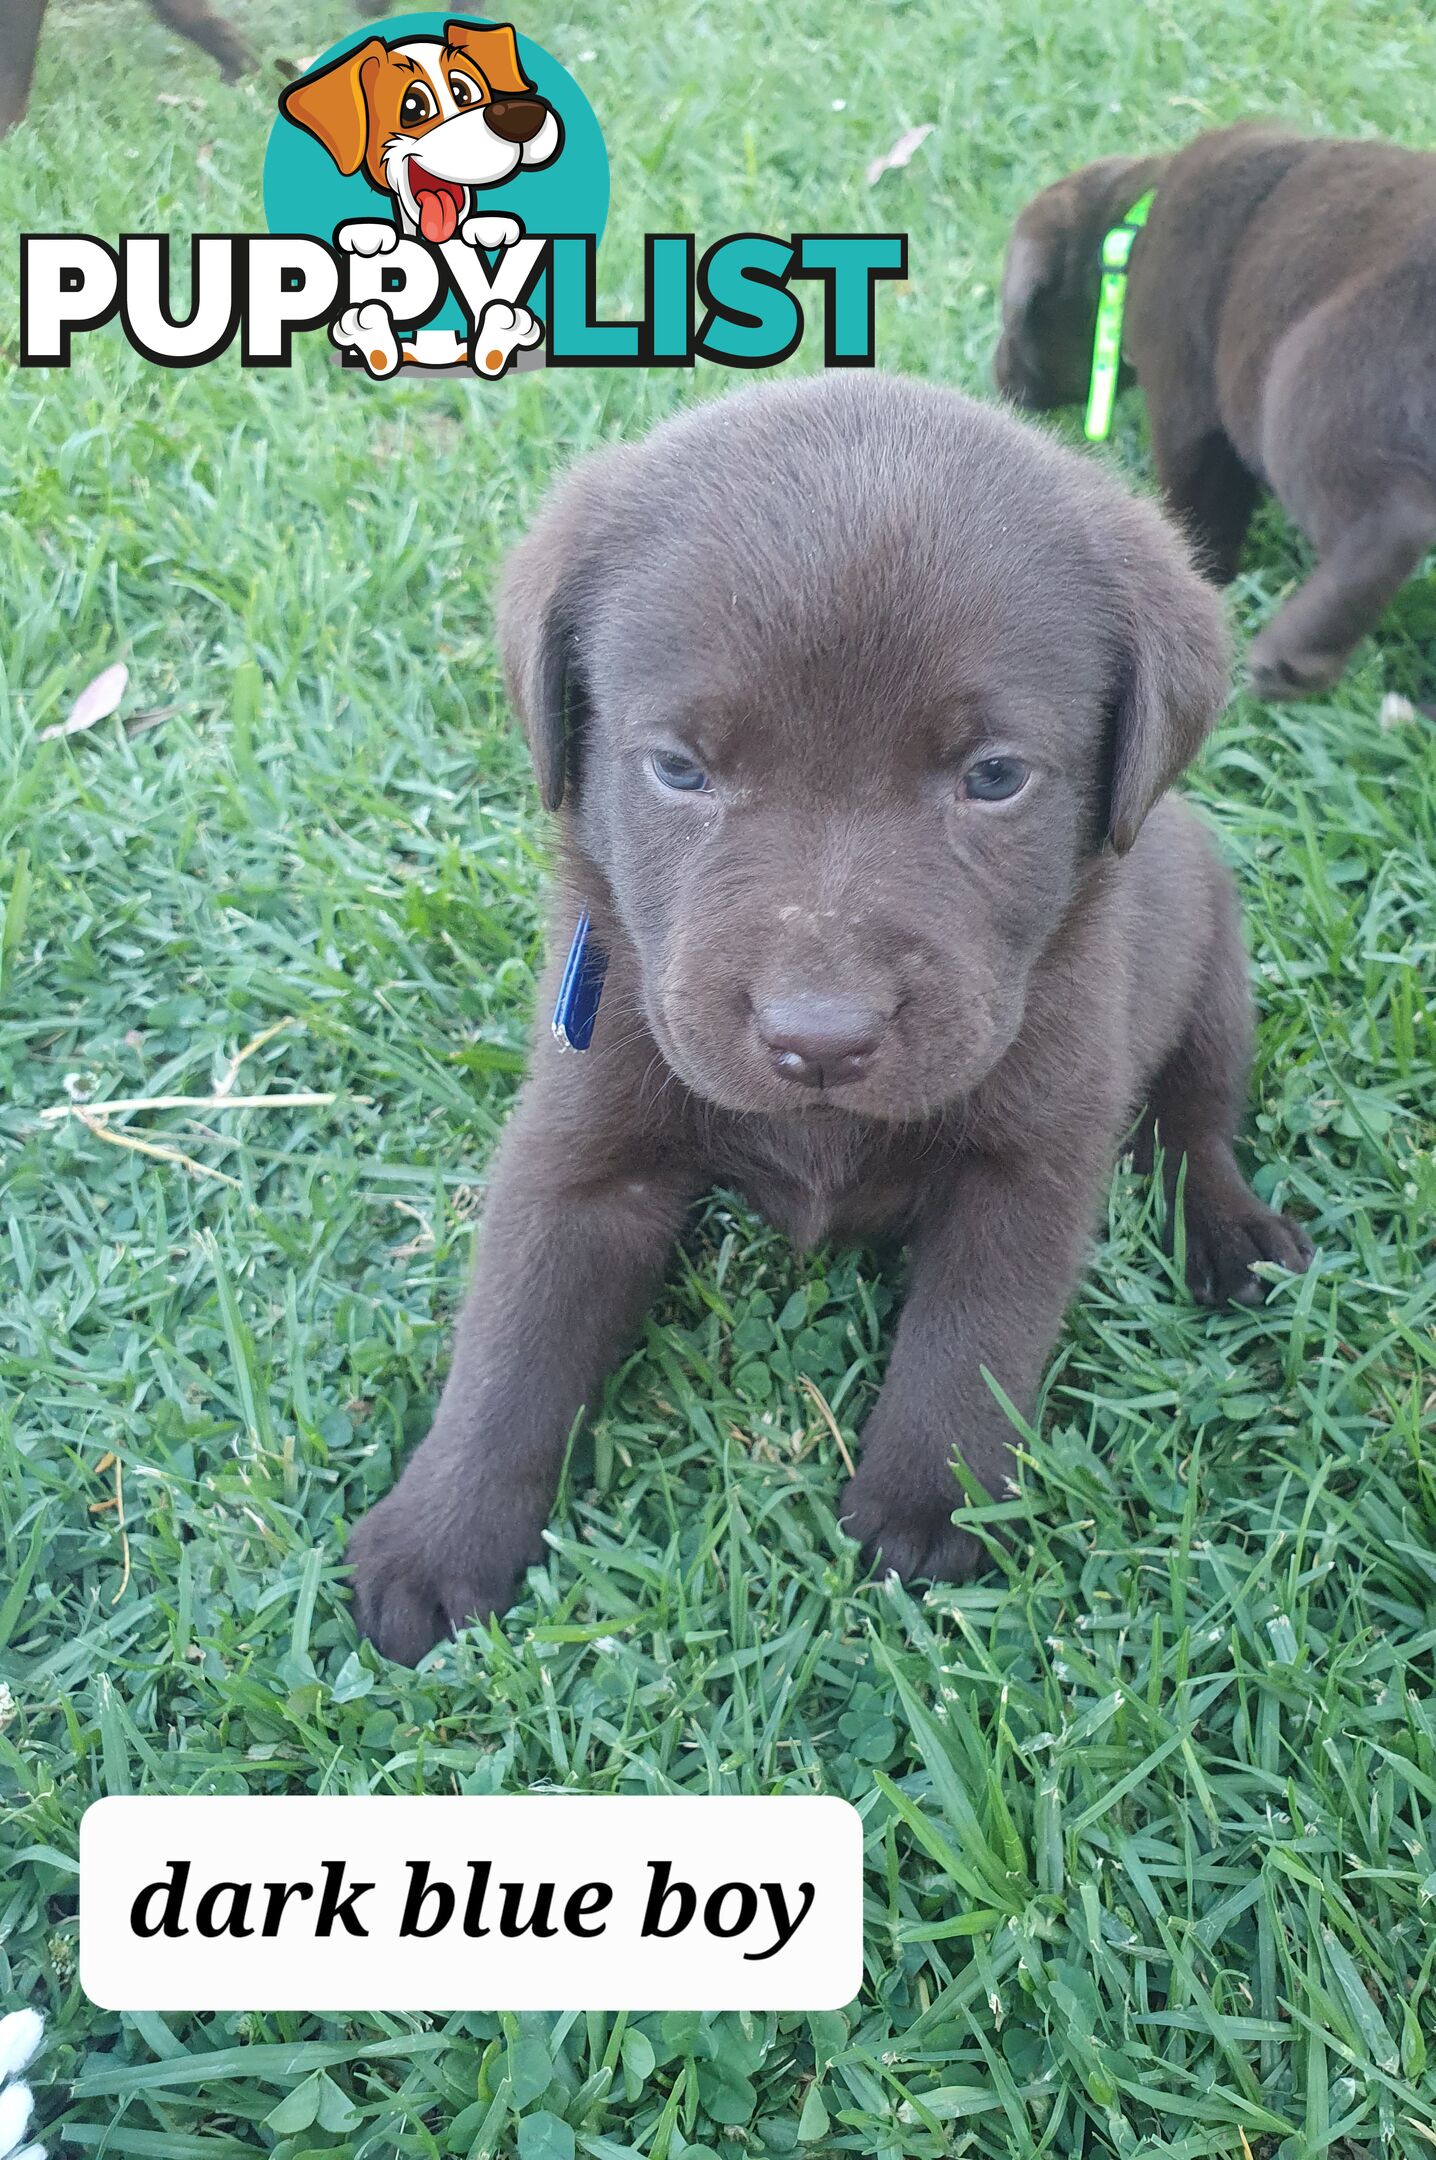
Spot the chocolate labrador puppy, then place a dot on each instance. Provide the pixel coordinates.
(1281, 319)
(858, 702)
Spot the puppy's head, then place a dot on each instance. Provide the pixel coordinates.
(842, 687)
(1051, 278)
(429, 119)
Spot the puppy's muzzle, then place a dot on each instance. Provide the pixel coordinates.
(821, 1042)
(516, 120)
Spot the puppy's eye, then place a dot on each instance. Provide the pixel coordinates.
(674, 770)
(417, 107)
(995, 779)
(464, 90)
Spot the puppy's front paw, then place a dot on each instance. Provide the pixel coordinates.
(368, 330)
(920, 1545)
(367, 236)
(1223, 1243)
(502, 331)
(1278, 670)
(416, 1582)
(491, 231)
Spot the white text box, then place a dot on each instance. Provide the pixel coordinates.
(562, 1902)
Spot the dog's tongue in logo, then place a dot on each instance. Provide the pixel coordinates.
(439, 203)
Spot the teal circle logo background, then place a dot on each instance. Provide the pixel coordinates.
(305, 192)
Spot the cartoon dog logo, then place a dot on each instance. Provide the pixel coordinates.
(431, 122)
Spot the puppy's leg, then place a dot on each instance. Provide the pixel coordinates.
(1362, 566)
(1208, 489)
(570, 1254)
(18, 46)
(1194, 1109)
(992, 1272)
(197, 21)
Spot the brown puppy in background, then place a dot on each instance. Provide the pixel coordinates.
(1281, 321)
(858, 702)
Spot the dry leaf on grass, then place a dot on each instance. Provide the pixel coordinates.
(900, 154)
(96, 702)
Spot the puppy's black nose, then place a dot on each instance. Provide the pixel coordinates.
(516, 120)
(821, 1042)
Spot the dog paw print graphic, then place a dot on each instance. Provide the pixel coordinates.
(20, 2036)
(431, 122)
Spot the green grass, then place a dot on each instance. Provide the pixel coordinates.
(1151, 1810)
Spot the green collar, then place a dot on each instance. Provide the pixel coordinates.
(1111, 305)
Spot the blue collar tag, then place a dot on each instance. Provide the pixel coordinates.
(576, 1008)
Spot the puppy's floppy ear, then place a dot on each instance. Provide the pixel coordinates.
(548, 604)
(332, 105)
(494, 52)
(1173, 668)
(1032, 265)
(539, 639)
(1056, 243)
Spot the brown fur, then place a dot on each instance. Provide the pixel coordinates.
(880, 1007)
(1281, 321)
